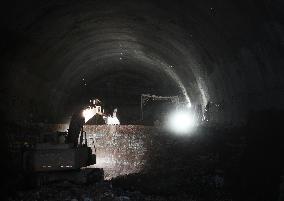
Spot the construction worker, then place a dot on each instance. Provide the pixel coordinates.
(208, 111)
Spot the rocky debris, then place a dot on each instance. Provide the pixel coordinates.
(102, 191)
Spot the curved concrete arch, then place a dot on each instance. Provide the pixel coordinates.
(226, 52)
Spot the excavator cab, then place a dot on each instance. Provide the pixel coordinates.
(53, 159)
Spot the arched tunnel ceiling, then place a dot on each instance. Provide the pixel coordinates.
(226, 51)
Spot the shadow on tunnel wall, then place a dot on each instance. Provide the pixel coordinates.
(243, 164)
(11, 172)
(262, 163)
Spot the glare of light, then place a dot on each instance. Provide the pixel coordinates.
(181, 122)
(89, 113)
(112, 121)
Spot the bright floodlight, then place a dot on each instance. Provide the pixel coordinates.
(89, 113)
(181, 122)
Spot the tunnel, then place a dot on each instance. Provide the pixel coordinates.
(56, 56)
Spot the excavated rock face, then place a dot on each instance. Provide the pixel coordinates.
(58, 54)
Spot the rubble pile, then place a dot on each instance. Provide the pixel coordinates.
(103, 191)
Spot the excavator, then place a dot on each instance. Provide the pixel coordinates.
(63, 156)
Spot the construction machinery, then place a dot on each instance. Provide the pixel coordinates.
(53, 159)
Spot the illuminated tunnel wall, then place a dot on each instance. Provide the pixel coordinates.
(58, 54)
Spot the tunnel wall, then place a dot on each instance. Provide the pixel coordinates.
(228, 52)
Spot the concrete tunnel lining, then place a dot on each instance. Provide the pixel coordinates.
(85, 54)
(105, 45)
(203, 53)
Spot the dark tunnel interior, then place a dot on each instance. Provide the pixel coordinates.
(222, 59)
